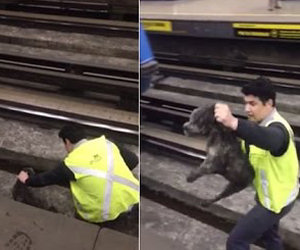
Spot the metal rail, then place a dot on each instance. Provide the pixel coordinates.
(127, 91)
(67, 24)
(97, 70)
(243, 66)
(86, 9)
(50, 117)
(173, 142)
(57, 8)
(285, 85)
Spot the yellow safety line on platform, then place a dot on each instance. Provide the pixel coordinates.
(157, 25)
(266, 26)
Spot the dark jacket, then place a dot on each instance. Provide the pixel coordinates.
(63, 175)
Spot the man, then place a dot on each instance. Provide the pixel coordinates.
(268, 140)
(274, 4)
(147, 61)
(101, 184)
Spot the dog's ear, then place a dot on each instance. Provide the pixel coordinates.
(207, 115)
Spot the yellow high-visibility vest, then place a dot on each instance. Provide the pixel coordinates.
(276, 177)
(104, 186)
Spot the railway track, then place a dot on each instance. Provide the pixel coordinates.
(235, 65)
(38, 96)
(126, 10)
(54, 109)
(173, 99)
(173, 143)
(101, 70)
(68, 8)
(70, 24)
(26, 71)
(286, 81)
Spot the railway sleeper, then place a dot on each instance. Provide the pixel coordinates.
(126, 91)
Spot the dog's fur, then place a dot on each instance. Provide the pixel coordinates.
(224, 153)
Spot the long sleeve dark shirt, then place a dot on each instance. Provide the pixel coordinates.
(274, 138)
(63, 175)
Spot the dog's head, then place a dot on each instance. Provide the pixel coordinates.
(201, 121)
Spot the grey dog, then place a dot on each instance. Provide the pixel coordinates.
(224, 153)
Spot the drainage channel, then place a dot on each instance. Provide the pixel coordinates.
(37, 197)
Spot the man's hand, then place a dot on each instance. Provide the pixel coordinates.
(224, 116)
(23, 176)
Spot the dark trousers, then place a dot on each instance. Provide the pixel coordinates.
(145, 83)
(258, 223)
(127, 222)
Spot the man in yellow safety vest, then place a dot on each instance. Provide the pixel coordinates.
(101, 182)
(269, 141)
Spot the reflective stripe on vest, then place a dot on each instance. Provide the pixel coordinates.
(293, 194)
(109, 176)
(108, 187)
(265, 189)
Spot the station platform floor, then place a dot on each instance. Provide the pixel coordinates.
(25, 227)
(220, 10)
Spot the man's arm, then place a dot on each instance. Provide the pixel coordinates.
(59, 175)
(274, 138)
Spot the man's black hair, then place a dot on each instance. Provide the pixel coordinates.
(262, 88)
(73, 133)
